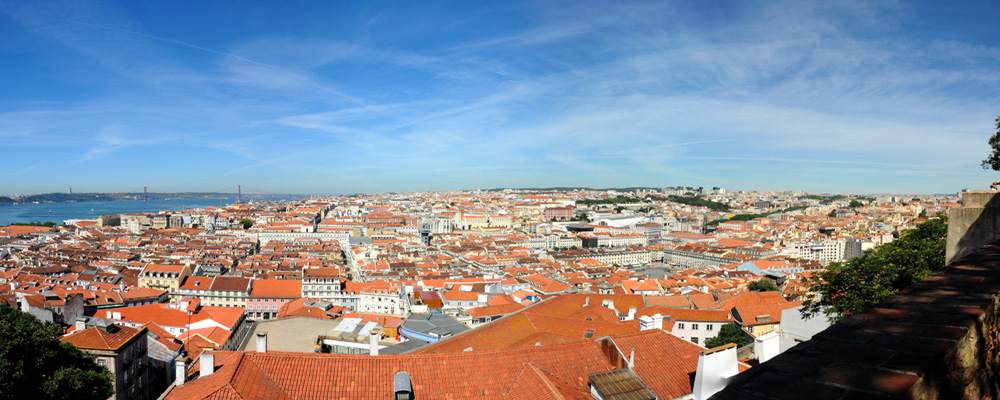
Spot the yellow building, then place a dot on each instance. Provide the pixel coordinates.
(164, 277)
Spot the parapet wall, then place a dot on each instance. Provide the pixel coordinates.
(974, 225)
(937, 339)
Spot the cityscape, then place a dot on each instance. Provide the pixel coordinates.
(498, 272)
(640, 199)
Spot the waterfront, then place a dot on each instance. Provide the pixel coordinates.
(11, 213)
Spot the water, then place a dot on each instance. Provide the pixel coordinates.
(93, 209)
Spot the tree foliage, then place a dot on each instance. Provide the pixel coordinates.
(699, 202)
(47, 224)
(850, 287)
(34, 364)
(246, 223)
(855, 204)
(763, 285)
(730, 333)
(993, 161)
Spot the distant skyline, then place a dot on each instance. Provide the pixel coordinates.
(348, 97)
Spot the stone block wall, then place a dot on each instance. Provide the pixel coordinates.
(974, 225)
(937, 339)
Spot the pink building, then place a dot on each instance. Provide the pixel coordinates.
(559, 212)
(268, 295)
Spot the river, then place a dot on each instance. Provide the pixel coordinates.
(59, 212)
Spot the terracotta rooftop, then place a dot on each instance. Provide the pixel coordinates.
(99, 339)
(558, 371)
(276, 288)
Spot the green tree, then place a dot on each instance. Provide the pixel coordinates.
(246, 223)
(923, 214)
(993, 161)
(832, 214)
(763, 285)
(850, 287)
(855, 204)
(730, 333)
(35, 364)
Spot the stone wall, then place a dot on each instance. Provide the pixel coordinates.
(937, 339)
(974, 225)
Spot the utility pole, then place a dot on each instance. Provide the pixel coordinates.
(239, 194)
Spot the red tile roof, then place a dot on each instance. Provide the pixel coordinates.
(98, 339)
(559, 370)
(276, 288)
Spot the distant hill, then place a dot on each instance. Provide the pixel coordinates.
(79, 197)
(571, 188)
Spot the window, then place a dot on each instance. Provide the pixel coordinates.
(694, 340)
(709, 327)
(680, 326)
(589, 334)
(694, 327)
(102, 362)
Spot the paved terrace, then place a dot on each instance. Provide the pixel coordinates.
(937, 339)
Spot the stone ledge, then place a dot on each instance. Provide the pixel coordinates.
(937, 339)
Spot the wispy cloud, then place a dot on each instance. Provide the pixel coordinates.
(596, 94)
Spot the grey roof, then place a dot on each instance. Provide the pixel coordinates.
(360, 240)
(405, 347)
(438, 325)
(621, 384)
(297, 334)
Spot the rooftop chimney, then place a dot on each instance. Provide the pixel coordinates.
(80, 324)
(373, 343)
(766, 346)
(645, 323)
(631, 313)
(715, 367)
(180, 370)
(657, 321)
(262, 342)
(207, 361)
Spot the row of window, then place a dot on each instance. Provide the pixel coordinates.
(694, 327)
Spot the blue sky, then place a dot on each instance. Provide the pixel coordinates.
(344, 96)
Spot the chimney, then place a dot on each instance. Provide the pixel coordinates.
(715, 367)
(645, 323)
(373, 343)
(207, 360)
(116, 315)
(657, 321)
(631, 360)
(586, 302)
(766, 346)
(631, 313)
(482, 298)
(262, 342)
(180, 370)
(81, 324)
